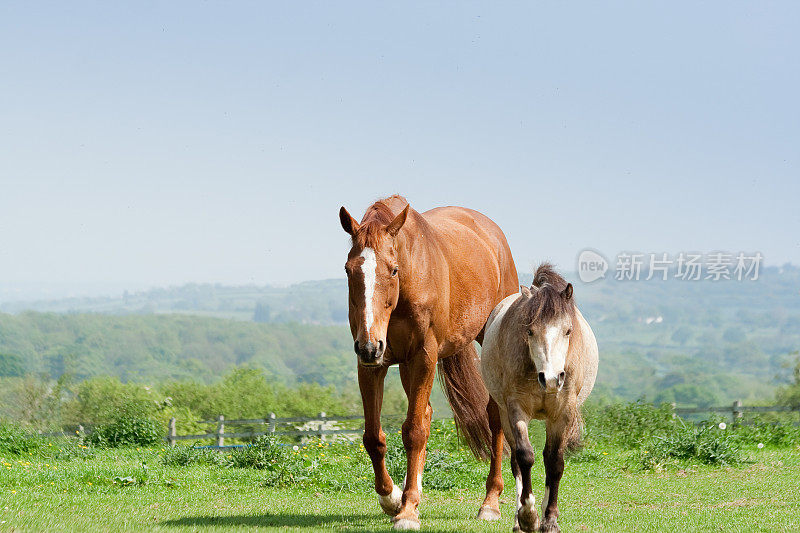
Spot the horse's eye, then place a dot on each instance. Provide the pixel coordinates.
(394, 272)
(568, 332)
(530, 333)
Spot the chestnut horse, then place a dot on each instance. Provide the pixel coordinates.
(421, 287)
(539, 360)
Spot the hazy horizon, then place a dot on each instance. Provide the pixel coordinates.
(160, 144)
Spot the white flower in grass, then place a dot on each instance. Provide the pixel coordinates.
(760, 445)
(722, 425)
(295, 448)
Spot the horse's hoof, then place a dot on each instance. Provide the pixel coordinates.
(528, 519)
(406, 524)
(489, 514)
(550, 526)
(391, 502)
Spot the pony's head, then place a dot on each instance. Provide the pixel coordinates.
(549, 314)
(373, 278)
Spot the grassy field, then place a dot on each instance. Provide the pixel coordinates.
(137, 489)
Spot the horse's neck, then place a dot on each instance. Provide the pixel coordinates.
(416, 246)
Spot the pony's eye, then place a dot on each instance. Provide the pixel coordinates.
(530, 333)
(568, 332)
(394, 272)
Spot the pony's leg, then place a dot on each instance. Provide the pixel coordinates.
(558, 433)
(527, 519)
(490, 509)
(370, 381)
(418, 375)
(509, 434)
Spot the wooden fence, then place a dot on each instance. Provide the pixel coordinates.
(320, 426)
(737, 410)
(273, 425)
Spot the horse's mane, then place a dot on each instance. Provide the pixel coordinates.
(546, 303)
(378, 216)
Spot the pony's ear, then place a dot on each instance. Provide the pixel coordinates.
(394, 226)
(525, 291)
(567, 292)
(349, 224)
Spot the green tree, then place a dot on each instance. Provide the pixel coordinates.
(682, 335)
(790, 394)
(11, 365)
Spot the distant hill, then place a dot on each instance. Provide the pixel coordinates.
(695, 342)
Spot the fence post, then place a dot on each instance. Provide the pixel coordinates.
(80, 432)
(172, 432)
(737, 411)
(673, 406)
(220, 430)
(322, 417)
(272, 423)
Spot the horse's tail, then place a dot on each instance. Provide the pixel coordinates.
(575, 438)
(468, 397)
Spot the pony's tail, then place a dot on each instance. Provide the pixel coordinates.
(468, 398)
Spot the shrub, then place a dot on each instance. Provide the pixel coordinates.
(707, 444)
(15, 441)
(105, 399)
(628, 424)
(769, 432)
(187, 455)
(127, 431)
(278, 461)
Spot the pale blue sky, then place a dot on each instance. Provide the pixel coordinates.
(159, 143)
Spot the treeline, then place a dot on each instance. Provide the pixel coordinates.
(637, 361)
(146, 347)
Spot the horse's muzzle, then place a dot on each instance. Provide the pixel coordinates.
(552, 384)
(369, 353)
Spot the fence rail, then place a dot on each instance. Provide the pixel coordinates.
(322, 429)
(736, 410)
(321, 426)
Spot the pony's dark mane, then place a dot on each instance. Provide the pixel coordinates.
(547, 302)
(377, 217)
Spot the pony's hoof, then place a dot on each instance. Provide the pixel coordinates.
(528, 519)
(391, 502)
(489, 514)
(406, 524)
(550, 526)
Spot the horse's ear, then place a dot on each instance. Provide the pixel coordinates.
(394, 226)
(567, 292)
(349, 224)
(525, 291)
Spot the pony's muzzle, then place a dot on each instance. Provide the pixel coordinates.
(552, 384)
(369, 353)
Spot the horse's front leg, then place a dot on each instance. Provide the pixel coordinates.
(558, 433)
(370, 381)
(418, 375)
(522, 458)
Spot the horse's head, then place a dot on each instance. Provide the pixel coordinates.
(373, 278)
(550, 312)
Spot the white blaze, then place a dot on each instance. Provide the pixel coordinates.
(370, 269)
(554, 356)
(550, 336)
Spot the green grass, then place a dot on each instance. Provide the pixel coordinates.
(602, 490)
